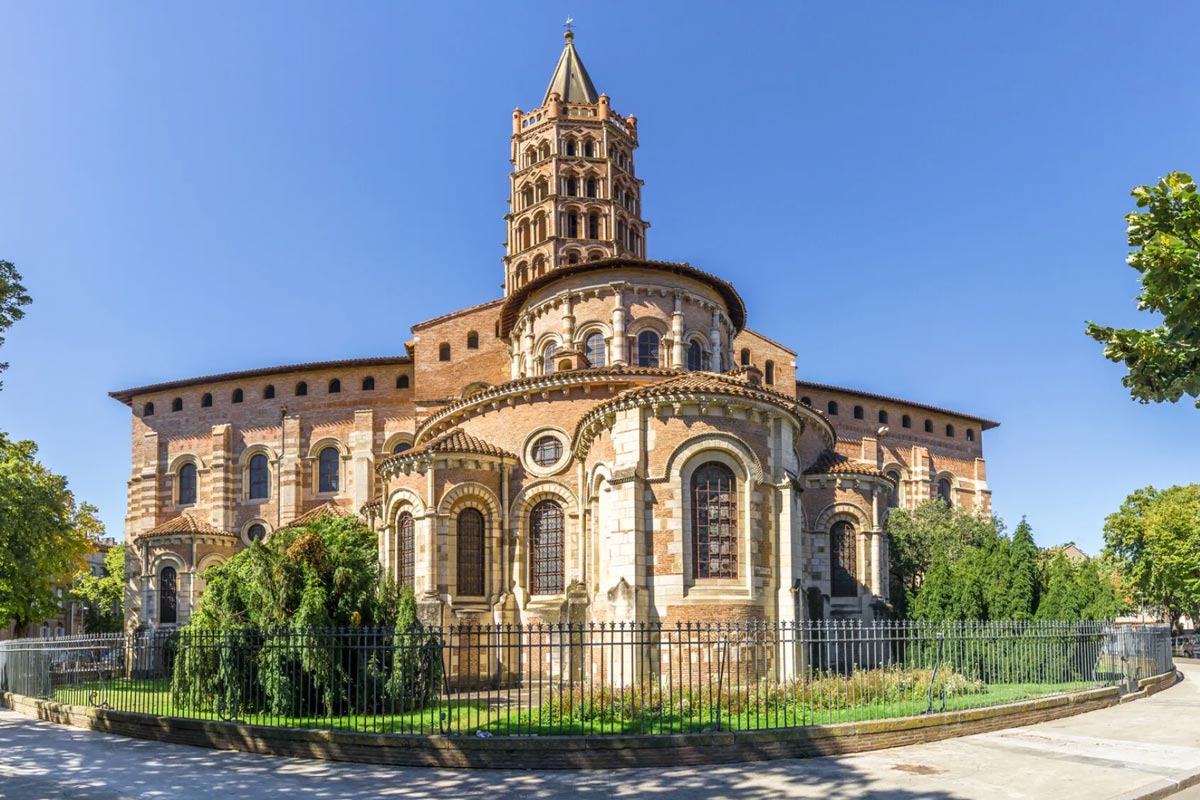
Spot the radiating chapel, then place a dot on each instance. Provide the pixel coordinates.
(607, 441)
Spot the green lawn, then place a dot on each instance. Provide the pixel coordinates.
(500, 714)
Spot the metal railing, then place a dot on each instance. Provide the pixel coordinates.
(573, 679)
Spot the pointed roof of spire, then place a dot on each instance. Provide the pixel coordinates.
(571, 80)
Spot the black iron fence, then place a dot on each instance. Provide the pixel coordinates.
(582, 678)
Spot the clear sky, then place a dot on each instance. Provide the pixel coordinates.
(924, 200)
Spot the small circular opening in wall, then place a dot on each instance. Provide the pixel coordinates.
(547, 451)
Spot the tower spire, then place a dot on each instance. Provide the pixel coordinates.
(571, 81)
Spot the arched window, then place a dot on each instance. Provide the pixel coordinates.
(949, 430)
(168, 611)
(256, 532)
(970, 434)
(335, 386)
(301, 389)
(238, 395)
(177, 404)
(260, 480)
(571, 148)
(269, 392)
(444, 351)
(572, 225)
(883, 417)
(206, 401)
(401, 447)
(547, 542)
(406, 547)
(593, 226)
(929, 426)
(832, 408)
(548, 358)
(806, 401)
(470, 552)
(843, 551)
(402, 382)
(187, 484)
(543, 189)
(695, 355)
(572, 186)
(148, 410)
(647, 349)
(945, 492)
(591, 189)
(572, 256)
(327, 470)
(714, 522)
(906, 421)
(589, 148)
(527, 197)
(472, 341)
(858, 412)
(894, 497)
(769, 373)
(544, 150)
(594, 349)
(745, 357)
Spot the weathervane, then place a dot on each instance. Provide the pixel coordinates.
(569, 24)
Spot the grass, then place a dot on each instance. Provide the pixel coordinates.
(584, 714)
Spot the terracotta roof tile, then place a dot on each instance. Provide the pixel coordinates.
(707, 382)
(330, 509)
(452, 441)
(831, 463)
(185, 524)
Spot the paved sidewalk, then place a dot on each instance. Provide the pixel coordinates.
(1147, 748)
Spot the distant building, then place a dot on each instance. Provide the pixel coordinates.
(69, 620)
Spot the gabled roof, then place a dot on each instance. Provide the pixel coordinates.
(330, 509)
(452, 441)
(570, 79)
(831, 463)
(126, 395)
(185, 524)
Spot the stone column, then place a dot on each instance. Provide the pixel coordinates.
(677, 350)
(618, 328)
(568, 323)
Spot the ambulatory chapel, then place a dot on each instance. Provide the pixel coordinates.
(607, 441)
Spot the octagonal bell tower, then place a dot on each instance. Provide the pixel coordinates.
(574, 195)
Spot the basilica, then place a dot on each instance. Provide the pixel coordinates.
(607, 441)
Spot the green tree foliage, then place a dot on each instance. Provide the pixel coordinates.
(278, 621)
(43, 535)
(976, 572)
(102, 596)
(1155, 537)
(1163, 362)
(12, 300)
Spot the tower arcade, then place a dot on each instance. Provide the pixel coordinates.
(574, 195)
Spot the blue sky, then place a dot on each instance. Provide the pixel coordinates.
(923, 199)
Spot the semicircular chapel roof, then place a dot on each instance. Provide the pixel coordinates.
(512, 306)
(452, 441)
(185, 524)
(833, 463)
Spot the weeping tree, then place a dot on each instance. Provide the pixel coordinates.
(301, 624)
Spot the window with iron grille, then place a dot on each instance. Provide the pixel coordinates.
(843, 550)
(647, 349)
(594, 349)
(406, 528)
(187, 484)
(256, 532)
(327, 470)
(470, 553)
(714, 522)
(546, 542)
(945, 492)
(168, 612)
(547, 451)
(259, 477)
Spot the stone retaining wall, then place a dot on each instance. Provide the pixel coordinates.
(579, 752)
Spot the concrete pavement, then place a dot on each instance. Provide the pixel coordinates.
(1145, 749)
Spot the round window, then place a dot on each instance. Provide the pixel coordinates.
(547, 451)
(256, 532)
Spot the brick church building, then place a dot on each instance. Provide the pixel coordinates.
(607, 441)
